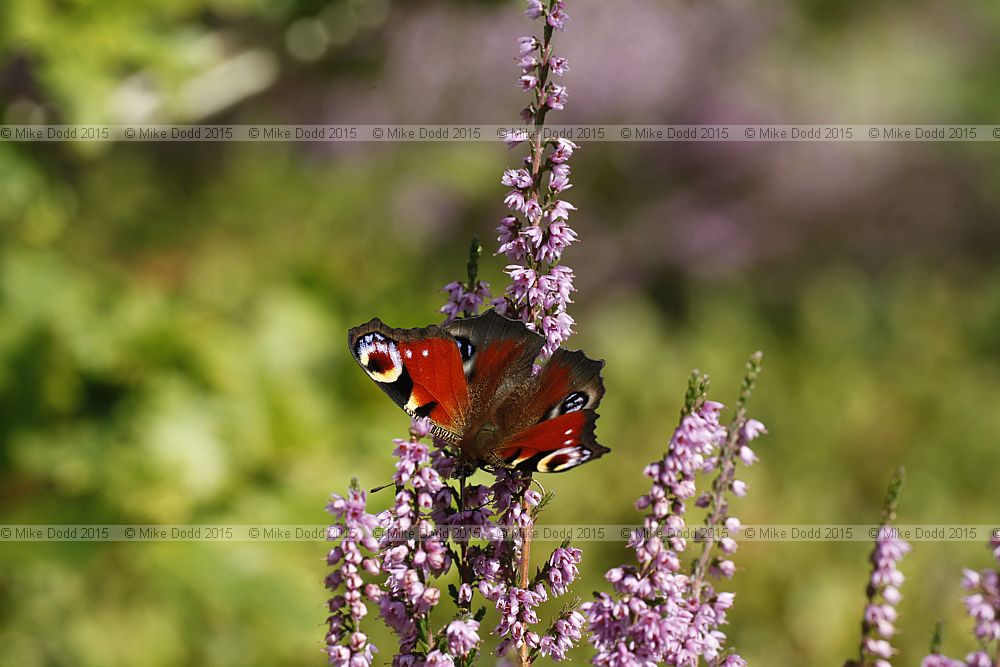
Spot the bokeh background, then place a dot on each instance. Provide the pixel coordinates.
(173, 316)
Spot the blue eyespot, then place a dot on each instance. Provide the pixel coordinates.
(575, 401)
(465, 348)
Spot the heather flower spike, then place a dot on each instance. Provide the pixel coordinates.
(878, 624)
(658, 613)
(353, 534)
(982, 603)
(535, 232)
(465, 299)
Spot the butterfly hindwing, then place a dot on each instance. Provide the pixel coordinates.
(569, 381)
(420, 370)
(554, 445)
(551, 418)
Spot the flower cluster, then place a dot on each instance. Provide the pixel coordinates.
(535, 233)
(352, 532)
(878, 623)
(464, 299)
(660, 614)
(496, 568)
(983, 604)
(412, 552)
(878, 626)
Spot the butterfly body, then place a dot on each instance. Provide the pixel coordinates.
(474, 380)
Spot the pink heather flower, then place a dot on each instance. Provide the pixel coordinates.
(560, 210)
(753, 429)
(557, 15)
(526, 45)
(935, 660)
(747, 456)
(512, 243)
(556, 97)
(564, 635)
(527, 63)
(532, 210)
(535, 9)
(462, 299)
(527, 81)
(562, 570)
(353, 528)
(883, 596)
(516, 178)
(438, 659)
(979, 659)
(512, 139)
(558, 65)
(563, 151)
(514, 200)
(463, 637)
(559, 182)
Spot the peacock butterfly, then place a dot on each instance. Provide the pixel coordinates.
(473, 379)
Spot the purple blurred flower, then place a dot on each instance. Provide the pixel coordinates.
(535, 9)
(526, 45)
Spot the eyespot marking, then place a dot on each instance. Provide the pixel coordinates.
(575, 401)
(467, 351)
(563, 459)
(465, 348)
(379, 356)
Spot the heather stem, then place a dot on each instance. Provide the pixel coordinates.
(525, 573)
(727, 469)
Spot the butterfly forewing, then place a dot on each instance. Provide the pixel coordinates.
(420, 370)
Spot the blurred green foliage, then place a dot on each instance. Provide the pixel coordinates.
(172, 325)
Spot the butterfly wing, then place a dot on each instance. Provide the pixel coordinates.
(554, 445)
(552, 417)
(421, 371)
(497, 356)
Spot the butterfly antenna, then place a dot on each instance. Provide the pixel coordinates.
(379, 488)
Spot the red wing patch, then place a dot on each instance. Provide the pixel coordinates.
(554, 445)
(440, 390)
